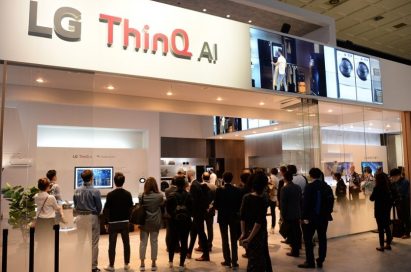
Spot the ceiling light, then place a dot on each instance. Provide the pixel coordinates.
(228, 16)
(220, 137)
(388, 126)
(204, 10)
(351, 126)
(110, 87)
(236, 135)
(169, 93)
(300, 125)
(219, 99)
(275, 128)
(312, 115)
(250, 21)
(254, 132)
(290, 110)
(370, 124)
(330, 110)
(40, 80)
(261, 103)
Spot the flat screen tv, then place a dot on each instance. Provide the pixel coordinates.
(373, 165)
(103, 177)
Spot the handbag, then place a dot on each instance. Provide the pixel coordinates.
(138, 214)
(33, 223)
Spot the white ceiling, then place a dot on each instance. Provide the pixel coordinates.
(75, 85)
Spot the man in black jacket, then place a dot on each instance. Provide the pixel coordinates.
(318, 204)
(228, 202)
(117, 213)
(291, 213)
(199, 197)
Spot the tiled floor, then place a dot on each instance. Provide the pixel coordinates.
(350, 253)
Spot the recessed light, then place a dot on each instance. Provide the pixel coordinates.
(40, 80)
(275, 128)
(300, 125)
(254, 132)
(379, 17)
(110, 87)
(312, 115)
(351, 126)
(236, 135)
(219, 99)
(228, 16)
(388, 126)
(250, 21)
(290, 110)
(261, 103)
(370, 124)
(169, 93)
(204, 10)
(330, 110)
(220, 137)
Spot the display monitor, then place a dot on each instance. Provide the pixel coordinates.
(336, 167)
(103, 177)
(373, 165)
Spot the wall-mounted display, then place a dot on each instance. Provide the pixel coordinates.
(223, 124)
(336, 167)
(282, 63)
(373, 165)
(102, 177)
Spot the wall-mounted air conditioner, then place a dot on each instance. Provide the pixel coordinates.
(23, 162)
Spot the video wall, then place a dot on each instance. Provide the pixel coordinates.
(224, 124)
(286, 64)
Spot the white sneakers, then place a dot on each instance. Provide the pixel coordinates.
(109, 268)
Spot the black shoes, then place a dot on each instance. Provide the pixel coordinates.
(380, 249)
(203, 259)
(387, 247)
(226, 264)
(293, 254)
(95, 269)
(319, 263)
(306, 265)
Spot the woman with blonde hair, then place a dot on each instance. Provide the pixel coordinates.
(151, 200)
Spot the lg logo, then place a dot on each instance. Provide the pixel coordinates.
(72, 33)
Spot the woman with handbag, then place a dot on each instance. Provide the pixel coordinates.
(151, 200)
(45, 220)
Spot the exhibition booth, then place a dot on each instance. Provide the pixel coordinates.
(107, 87)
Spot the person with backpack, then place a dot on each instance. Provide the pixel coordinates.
(228, 202)
(318, 203)
(179, 207)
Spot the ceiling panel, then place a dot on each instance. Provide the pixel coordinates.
(391, 4)
(346, 8)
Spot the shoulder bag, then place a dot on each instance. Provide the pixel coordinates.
(138, 215)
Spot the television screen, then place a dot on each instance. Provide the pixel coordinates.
(103, 177)
(336, 167)
(373, 165)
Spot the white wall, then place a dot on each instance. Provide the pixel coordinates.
(396, 84)
(20, 140)
(186, 125)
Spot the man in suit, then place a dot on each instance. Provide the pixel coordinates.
(291, 213)
(318, 203)
(228, 202)
(199, 196)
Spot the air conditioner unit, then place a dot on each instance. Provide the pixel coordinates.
(21, 162)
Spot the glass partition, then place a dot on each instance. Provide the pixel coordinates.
(354, 139)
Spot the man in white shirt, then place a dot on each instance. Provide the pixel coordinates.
(213, 177)
(281, 64)
(299, 180)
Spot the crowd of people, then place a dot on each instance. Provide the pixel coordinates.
(190, 203)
